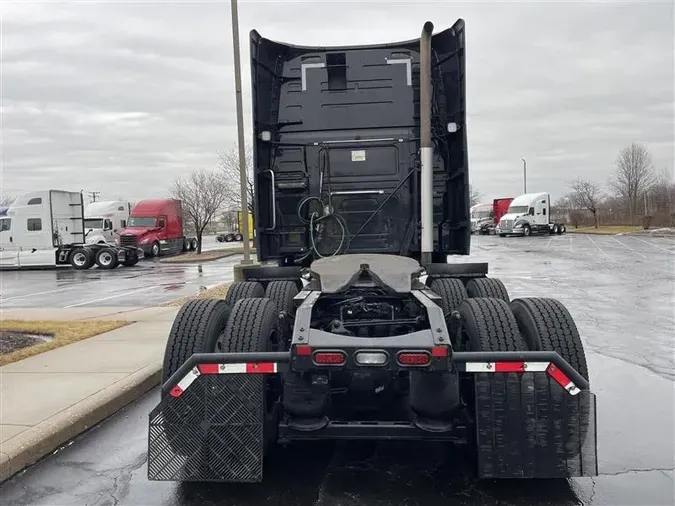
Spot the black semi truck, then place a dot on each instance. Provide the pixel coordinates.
(354, 325)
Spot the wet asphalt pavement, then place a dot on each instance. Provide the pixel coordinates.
(148, 283)
(620, 291)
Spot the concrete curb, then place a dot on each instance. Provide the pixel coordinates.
(31, 445)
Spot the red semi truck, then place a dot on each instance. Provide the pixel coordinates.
(156, 226)
(499, 209)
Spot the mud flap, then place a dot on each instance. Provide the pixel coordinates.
(212, 431)
(528, 426)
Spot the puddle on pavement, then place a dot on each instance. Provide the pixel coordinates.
(12, 341)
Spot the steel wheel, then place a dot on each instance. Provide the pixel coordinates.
(105, 259)
(79, 259)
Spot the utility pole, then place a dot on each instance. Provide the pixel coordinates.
(240, 135)
(524, 175)
(93, 196)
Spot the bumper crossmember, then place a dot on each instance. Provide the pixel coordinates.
(533, 417)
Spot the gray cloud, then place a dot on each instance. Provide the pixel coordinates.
(121, 97)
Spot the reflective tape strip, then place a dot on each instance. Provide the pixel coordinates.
(502, 367)
(241, 368)
(506, 366)
(206, 369)
(185, 382)
(562, 379)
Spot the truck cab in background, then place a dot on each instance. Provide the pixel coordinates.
(46, 229)
(481, 215)
(105, 220)
(529, 214)
(156, 226)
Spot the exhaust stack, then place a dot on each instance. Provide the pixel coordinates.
(427, 150)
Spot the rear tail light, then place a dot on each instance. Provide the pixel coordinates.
(414, 358)
(329, 358)
(371, 358)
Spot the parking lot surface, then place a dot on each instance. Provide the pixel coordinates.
(148, 283)
(619, 289)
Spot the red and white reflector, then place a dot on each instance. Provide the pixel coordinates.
(506, 366)
(562, 379)
(502, 367)
(206, 369)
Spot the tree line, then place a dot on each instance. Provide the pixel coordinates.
(634, 193)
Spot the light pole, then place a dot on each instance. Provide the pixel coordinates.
(240, 135)
(524, 175)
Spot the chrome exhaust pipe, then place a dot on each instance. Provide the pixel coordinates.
(427, 150)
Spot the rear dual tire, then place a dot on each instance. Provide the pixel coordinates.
(106, 258)
(82, 259)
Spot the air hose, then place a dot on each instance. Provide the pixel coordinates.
(315, 218)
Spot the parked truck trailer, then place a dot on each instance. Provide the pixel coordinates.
(47, 229)
(355, 326)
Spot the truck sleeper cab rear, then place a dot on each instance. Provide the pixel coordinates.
(354, 326)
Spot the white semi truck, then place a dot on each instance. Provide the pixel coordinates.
(529, 214)
(105, 220)
(47, 229)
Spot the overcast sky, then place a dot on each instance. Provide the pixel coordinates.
(121, 97)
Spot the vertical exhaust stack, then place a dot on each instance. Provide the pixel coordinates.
(427, 150)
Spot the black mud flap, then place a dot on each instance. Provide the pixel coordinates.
(212, 431)
(528, 426)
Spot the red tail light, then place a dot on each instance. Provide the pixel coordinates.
(418, 358)
(302, 350)
(329, 358)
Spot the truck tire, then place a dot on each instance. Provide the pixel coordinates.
(106, 258)
(562, 228)
(238, 237)
(502, 235)
(253, 327)
(195, 329)
(229, 238)
(555, 230)
(489, 325)
(527, 231)
(82, 259)
(451, 291)
(487, 287)
(547, 325)
(243, 290)
(193, 245)
(282, 293)
(130, 258)
(155, 249)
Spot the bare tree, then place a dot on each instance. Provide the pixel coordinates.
(6, 200)
(203, 194)
(474, 195)
(228, 164)
(634, 174)
(587, 195)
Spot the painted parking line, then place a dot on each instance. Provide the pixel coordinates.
(36, 293)
(595, 244)
(147, 288)
(652, 244)
(629, 248)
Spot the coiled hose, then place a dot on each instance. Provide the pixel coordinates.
(316, 218)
